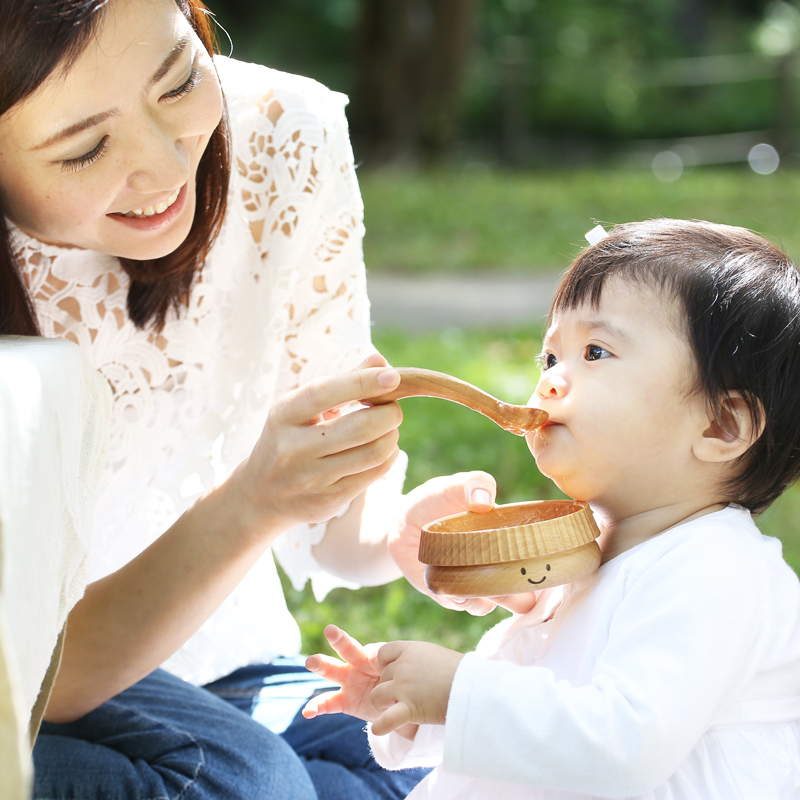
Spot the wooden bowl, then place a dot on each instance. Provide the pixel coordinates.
(512, 549)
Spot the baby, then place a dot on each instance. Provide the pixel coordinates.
(671, 376)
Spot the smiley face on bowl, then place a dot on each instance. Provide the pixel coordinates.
(512, 549)
(514, 577)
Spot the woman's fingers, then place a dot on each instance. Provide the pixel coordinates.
(310, 401)
(451, 494)
(373, 360)
(350, 431)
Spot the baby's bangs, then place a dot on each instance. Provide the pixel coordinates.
(583, 282)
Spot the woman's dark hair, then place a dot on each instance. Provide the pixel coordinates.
(739, 301)
(38, 37)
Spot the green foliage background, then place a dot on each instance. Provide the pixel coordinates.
(574, 70)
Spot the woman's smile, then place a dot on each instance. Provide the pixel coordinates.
(156, 216)
(158, 208)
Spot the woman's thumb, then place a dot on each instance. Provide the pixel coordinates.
(480, 490)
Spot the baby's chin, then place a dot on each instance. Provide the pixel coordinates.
(573, 486)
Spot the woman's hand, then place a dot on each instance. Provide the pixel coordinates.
(439, 497)
(310, 460)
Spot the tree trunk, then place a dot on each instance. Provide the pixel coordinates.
(410, 58)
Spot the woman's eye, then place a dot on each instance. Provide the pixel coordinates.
(595, 353)
(546, 361)
(87, 159)
(184, 88)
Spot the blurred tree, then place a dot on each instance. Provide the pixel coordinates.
(534, 82)
(410, 61)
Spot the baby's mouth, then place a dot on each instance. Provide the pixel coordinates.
(158, 208)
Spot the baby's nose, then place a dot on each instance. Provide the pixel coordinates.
(551, 384)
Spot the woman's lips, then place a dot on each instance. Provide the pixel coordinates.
(154, 221)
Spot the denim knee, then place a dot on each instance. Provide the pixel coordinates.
(163, 739)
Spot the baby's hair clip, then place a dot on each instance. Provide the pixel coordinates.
(596, 234)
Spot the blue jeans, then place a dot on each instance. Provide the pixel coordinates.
(163, 739)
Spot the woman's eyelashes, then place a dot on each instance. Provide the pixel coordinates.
(186, 87)
(87, 159)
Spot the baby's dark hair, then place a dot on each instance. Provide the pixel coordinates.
(740, 301)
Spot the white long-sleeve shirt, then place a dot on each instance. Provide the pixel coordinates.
(281, 300)
(673, 673)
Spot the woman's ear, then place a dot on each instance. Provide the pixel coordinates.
(731, 434)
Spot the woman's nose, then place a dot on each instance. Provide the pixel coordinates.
(161, 161)
(552, 384)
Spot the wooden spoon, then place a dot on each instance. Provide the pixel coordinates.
(427, 383)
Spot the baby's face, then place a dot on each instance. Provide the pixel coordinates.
(616, 384)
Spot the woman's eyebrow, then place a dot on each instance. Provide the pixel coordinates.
(169, 61)
(97, 119)
(83, 125)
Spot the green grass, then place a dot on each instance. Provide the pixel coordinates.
(535, 221)
(441, 438)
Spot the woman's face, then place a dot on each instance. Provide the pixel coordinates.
(104, 156)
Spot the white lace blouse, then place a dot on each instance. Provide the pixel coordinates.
(281, 300)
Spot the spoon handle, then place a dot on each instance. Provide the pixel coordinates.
(428, 383)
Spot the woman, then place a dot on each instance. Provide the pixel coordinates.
(212, 273)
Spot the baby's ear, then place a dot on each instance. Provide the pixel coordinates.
(732, 434)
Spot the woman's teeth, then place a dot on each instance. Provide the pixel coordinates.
(158, 208)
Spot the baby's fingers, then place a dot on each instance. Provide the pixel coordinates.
(329, 668)
(327, 703)
(346, 647)
(391, 719)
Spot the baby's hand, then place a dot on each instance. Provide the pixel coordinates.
(358, 674)
(414, 686)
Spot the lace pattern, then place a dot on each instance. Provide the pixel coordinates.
(281, 300)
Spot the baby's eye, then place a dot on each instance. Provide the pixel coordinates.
(546, 361)
(595, 353)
